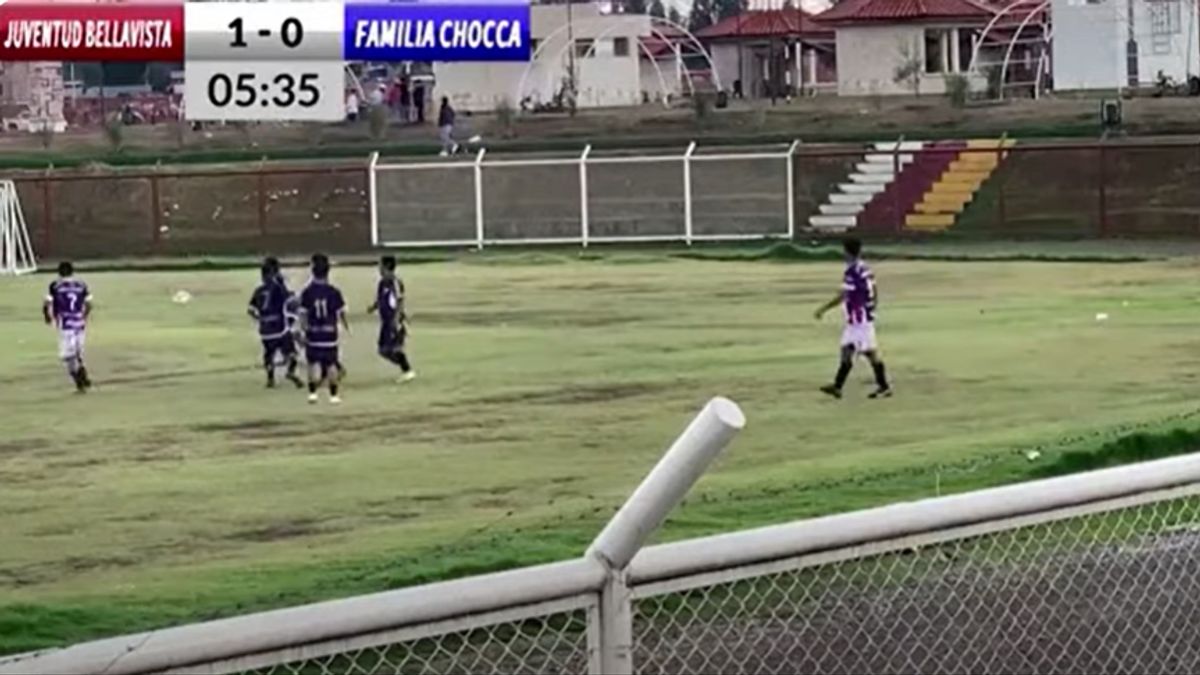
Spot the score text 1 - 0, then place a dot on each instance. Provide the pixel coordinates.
(264, 90)
(265, 31)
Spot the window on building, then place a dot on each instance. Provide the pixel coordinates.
(937, 54)
(966, 48)
(1165, 17)
(583, 48)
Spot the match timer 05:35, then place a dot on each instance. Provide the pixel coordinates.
(264, 61)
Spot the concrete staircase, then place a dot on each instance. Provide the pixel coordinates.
(871, 177)
(950, 194)
(887, 211)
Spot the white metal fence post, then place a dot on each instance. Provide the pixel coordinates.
(682, 465)
(791, 190)
(583, 195)
(616, 626)
(644, 511)
(687, 193)
(373, 199)
(479, 239)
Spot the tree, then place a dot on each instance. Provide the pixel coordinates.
(657, 9)
(120, 74)
(727, 8)
(908, 70)
(89, 72)
(702, 15)
(674, 16)
(635, 6)
(158, 76)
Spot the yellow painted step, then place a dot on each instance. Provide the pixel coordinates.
(964, 190)
(945, 203)
(974, 163)
(985, 143)
(932, 209)
(972, 180)
(923, 221)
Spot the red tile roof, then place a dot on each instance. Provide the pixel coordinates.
(901, 11)
(663, 40)
(788, 22)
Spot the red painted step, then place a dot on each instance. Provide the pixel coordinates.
(887, 211)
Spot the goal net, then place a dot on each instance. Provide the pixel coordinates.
(16, 252)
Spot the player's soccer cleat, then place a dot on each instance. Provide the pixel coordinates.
(335, 400)
(295, 380)
(831, 390)
(408, 377)
(313, 399)
(882, 393)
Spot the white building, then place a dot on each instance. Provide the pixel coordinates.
(32, 93)
(876, 38)
(611, 61)
(1092, 38)
(772, 51)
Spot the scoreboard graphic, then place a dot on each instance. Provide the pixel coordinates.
(272, 60)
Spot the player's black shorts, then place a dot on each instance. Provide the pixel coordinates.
(284, 344)
(391, 338)
(321, 356)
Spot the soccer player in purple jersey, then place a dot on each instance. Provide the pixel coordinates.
(858, 296)
(291, 309)
(67, 307)
(322, 309)
(393, 321)
(269, 307)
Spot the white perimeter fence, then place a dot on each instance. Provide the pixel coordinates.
(1091, 573)
(686, 197)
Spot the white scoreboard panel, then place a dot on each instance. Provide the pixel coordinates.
(264, 61)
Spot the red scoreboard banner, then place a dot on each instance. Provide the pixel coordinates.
(91, 31)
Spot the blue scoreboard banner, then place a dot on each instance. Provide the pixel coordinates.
(437, 30)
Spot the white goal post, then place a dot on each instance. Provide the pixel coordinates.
(16, 251)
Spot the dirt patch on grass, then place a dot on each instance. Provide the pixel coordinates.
(160, 377)
(576, 394)
(534, 318)
(280, 530)
(238, 426)
(24, 446)
(609, 287)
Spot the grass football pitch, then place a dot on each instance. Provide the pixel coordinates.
(181, 489)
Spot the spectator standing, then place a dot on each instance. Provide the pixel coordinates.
(419, 102)
(393, 98)
(405, 101)
(352, 106)
(446, 127)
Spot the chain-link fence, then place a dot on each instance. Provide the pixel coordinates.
(546, 638)
(1034, 191)
(108, 213)
(1092, 573)
(1106, 592)
(480, 201)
